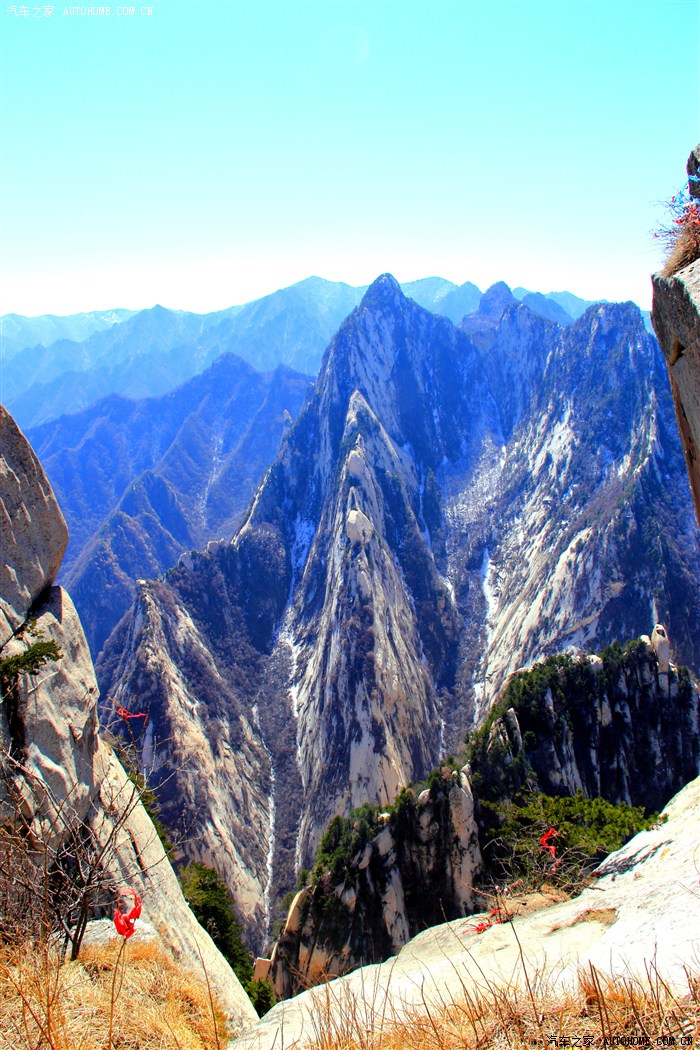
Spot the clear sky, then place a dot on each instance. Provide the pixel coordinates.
(201, 154)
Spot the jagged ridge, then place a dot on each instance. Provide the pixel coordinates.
(449, 505)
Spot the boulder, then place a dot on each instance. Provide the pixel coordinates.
(659, 642)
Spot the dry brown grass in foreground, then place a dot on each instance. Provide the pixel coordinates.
(141, 1000)
(515, 1018)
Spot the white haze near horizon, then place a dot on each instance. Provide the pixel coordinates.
(205, 308)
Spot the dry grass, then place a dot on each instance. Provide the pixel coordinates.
(681, 237)
(683, 249)
(136, 999)
(619, 1010)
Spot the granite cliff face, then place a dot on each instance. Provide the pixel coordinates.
(413, 867)
(623, 726)
(33, 532)
(675, 316)
(450, 505)
(59, 779)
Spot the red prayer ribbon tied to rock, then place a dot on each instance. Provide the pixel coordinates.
(124, 921)
(546, 844)
(486, 924)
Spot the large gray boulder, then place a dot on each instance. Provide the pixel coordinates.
(33, 534)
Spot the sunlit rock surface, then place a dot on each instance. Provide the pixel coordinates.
(640, 916)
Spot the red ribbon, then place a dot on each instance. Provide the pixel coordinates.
(546, 844)
(125, 920)
(123, 713)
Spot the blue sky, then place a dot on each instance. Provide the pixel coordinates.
(209, 152)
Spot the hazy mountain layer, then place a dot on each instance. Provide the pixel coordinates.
(147, 354)
(142, 481)
(18, 332)
(155, 350)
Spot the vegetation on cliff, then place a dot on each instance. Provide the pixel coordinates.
(681, 237)
(214, 908)
(594, 723)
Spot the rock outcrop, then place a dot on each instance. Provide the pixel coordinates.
(59, 779)
(675, 315)
(33, 532)
(641, 916)
(623, 726)
(416, 871)
(676, 318)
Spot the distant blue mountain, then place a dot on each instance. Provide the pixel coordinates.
(141, 481)
(18, 332)
(571, 304)
(145, 354)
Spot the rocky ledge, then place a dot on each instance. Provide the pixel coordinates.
(641, 913)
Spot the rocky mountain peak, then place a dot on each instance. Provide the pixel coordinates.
(385, 291)
(495, 300)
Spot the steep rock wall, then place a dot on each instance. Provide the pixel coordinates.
(416, 871)
(676, 318)
(201, 746)
(59, 779)
(33, 532)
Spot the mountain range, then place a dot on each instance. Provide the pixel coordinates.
(56, 365)
(451, 503)
(143, 480)
(124, 524)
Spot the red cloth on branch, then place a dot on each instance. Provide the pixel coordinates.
(124, 921)
(546, 844)
(123, 713)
